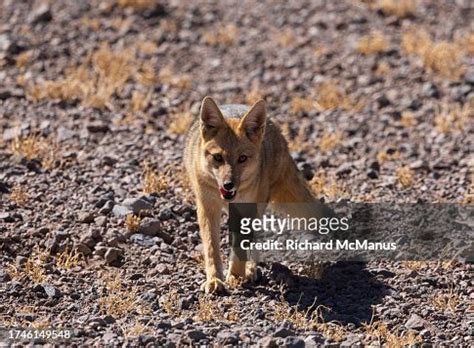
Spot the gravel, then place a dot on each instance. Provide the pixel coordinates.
(78, 201)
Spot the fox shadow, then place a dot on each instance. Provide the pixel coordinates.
(346, 289)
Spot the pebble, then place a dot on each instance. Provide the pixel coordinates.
(113, 256)
(52, 291)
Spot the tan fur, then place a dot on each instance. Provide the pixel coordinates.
(269, 175)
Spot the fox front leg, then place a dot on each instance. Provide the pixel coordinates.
(209, 217)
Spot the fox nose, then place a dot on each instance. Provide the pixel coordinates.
(228, 185)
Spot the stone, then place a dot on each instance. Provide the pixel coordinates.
(294, 342)
(113, 256)
(267, 342)
(85, 217)
(138, 204)
(107, 207)
(150, 227)
(196, 335)
(121, 211)
(415, 322)
(52, 291)
(97, 127)
(283, 332)
(41, 13)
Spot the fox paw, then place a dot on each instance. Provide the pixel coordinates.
(213, 285)
(251, 273)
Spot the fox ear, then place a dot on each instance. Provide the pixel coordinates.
(211, 117)
(253, 123)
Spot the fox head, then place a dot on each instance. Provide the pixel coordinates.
(231, 146)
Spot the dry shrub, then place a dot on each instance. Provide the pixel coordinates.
(373, 43)
(322, 185)
(132, 222)
(405, 176)
(224, 36)
(36, 147)
(301, 104)
(19, 195)
(452, 117)
(152, 181)
(180, 123)
(330, 96)
(443, 57)
(137, 4)
(286, 38)
(330, 141)
(447, 301)
(139, 101)
(407, 119)
(94, 82)
(398, 8)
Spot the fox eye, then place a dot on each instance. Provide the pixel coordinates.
(242, 158)
(218, 158)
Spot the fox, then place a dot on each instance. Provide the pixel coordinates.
(235, 153)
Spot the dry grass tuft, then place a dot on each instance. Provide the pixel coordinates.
(286, 38)
(33, 269)
(313, 270)
(35, 147)
(398, 8)
(152, 181)
(383, 69)
(119, 300)
(453, 117)
(19, 195)
(94, 83)
(373, 43)
(209, 310)
(330, 141)
(447, 301)
(169, 76)
(321, 185)
(68, 259)
(136, 329)
(380, 331)
(407, 119)
(330, 97)
(308, 319)
(23, 59)
(300, 104)
(132, 223)
(415, 265)
(385, 156)
(137, 4)
(224, 36)
(405, 176)
(147, 47)
(171, 303)
(180, 123)
(443, 57)
(253, 96)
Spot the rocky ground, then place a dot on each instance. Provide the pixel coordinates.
(98, 229)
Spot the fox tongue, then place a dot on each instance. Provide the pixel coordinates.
(225, 193)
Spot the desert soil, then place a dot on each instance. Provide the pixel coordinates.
(95, 98)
